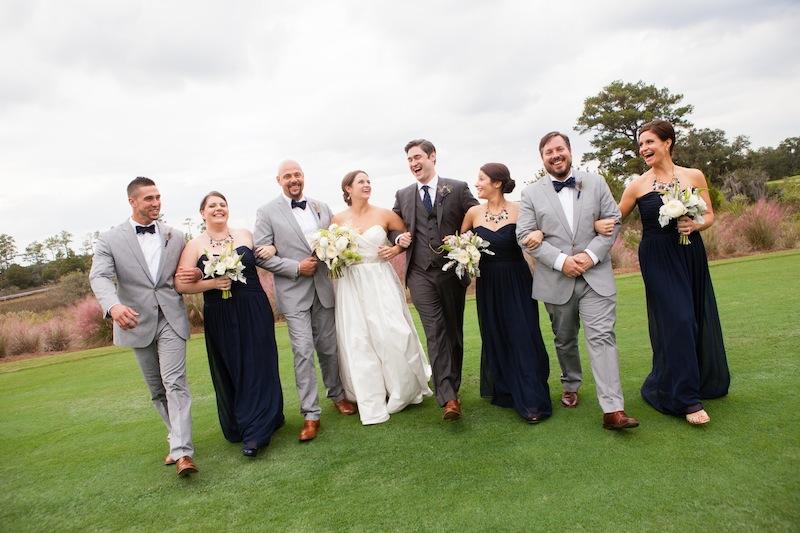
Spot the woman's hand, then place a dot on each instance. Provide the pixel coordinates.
(605, 226)
(387, 253)
(685, 225)
(266, 252)
(222, 283)
(533, 240)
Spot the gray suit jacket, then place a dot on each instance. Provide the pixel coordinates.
(453, 200)
(119, 274)
(541, 209)
(276, 225)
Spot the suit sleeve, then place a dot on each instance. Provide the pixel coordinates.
(467, 200)
(394, 234)
(545, 253)
(102, 274)
(601, 244)
(263, 235)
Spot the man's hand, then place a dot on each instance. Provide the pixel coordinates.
(188, 275)
(307, 266)
(404, 240)
(572, 268)
(685, 225)
(124, 316)
(583, 260)
(387, 253)
(533, 240)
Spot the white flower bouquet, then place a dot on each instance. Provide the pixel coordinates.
(681, 202)
(228, 263)
(336, 247)
(464, 252)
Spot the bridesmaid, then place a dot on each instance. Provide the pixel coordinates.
(512, 345)
(689, 361)
(239, 332)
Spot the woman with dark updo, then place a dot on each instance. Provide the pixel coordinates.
(514, 362)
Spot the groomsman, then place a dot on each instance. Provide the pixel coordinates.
(303, 292)
(132, 278)
(433, 208)
(573, 272)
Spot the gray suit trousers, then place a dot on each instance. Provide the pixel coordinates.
(312, 329)
(163, 365)
(598, 314)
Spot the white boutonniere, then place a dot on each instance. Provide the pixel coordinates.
(442, 192)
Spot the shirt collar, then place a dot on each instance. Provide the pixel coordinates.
(134, 224)
(570, 175)
(431, 184)
(289, 200)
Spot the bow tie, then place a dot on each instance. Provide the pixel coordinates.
(301, 204)
(141, 230)
(558, 185)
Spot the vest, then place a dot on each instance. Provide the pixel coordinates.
(426, 238)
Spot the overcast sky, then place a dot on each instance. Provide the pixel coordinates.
(203, 95)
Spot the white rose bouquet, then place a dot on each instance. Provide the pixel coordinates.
(464, 252)
(228, 263)
(681, 202)
(336, 247)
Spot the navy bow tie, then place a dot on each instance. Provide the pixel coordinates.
(558, 185)
(141, 230)
(301, 204)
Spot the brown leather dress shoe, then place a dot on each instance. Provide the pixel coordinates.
(619, 420)
(309, 431)
(569, 399)
(169, 461)
(185, 466)
(346, 407)
(452, 410)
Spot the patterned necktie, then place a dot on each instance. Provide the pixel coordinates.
(301, 204)
(141, 230)
(426, 199)
(558, 185)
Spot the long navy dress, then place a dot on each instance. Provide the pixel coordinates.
(513, 349)
(243, 358)
(689, 362)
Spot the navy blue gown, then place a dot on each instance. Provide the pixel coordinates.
(243, 358)
(689, 361)
(514, 362)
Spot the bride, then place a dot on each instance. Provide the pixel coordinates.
(381, 360)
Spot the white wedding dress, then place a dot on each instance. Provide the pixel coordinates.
(382, 364)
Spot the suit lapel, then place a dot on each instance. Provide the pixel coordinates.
(440, 197)
(555, 203)
(165, 233)
(577, 210)
(133, 243)
(286, 211)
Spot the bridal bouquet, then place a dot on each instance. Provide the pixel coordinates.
(336, 247)
(464, 252)
(679, 202)
(228, 263)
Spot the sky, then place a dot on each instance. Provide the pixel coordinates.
(203, 95)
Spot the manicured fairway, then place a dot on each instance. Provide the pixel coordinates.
(81, 446)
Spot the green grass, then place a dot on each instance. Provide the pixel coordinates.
(81, 446)
(783, 181)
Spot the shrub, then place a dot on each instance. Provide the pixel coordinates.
(622, 257)
(194, 309)
(93, 328)
(749, 182)
(761, 224)
(21, 337)
(56, 335)
(72, 286)
(631, 237)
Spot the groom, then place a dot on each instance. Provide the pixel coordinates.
(573, 272)
(303, 292)
(433, 208)
(132, 278)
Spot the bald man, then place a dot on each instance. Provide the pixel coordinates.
(303, 291)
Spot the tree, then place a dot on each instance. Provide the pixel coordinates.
(615, 116)
(710, 151)
(89, 241)
(53, 245)
(8, 250)
(34, 253)
(779, 162)
(65, 239)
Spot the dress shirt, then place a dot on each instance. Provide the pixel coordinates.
(151, 245)
(567, 198)
(431, 189)
(305, 217)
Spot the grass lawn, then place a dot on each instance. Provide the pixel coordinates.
(81, 445)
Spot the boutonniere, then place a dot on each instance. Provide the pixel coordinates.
(579, 187)
(167, 238)
(315, 207)
(443, 191)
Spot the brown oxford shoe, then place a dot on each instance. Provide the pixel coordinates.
(569, 399)
(169, 461)
(452, 410)
(185, 466)
(619, 420)
(309, 431)
(346, 407)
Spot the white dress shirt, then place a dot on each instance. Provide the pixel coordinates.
(150, 244)
(304, 217)
(567, 198)
(431, 188)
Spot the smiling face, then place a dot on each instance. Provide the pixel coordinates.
(422, 165)
(146, 204)
(486, 187)
(652, 148)
(291, 179)
(557, 158)
(215, 210)
(361, 188)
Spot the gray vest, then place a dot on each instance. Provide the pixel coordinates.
(426, 238)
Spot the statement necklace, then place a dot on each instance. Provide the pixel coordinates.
(219, 243)
(495, 218)
(661, 186)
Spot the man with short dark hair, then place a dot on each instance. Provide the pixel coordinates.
(132, 277)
